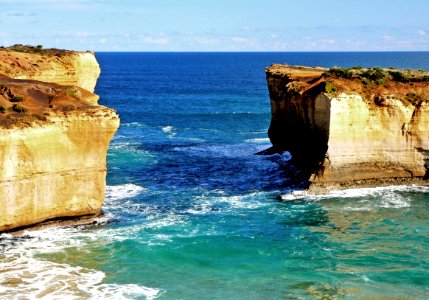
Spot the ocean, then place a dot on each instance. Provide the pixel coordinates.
(192, 213)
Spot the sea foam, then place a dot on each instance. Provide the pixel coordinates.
(24, 275)
(169, 130)
(355, 193)
(366, 198)
(129, 190)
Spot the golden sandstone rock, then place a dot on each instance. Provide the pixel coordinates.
(59, 66)
(352, 127)
(53, 151)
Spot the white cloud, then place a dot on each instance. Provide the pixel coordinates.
(328, 41)
(422, 32)
(239, 40)
(155, 40)
(45, 2)
(205, 41)
(82, 34)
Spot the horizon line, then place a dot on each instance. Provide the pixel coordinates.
(268, 51)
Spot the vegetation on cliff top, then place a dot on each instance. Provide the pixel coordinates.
(36, 49)
(377, 75)
(378, 84)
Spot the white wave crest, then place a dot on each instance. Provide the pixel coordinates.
(129, 190)
(23, 275)
(356, 193)
(167, 128)
(204, 205)
(376, 197)
(34, 278)
(259, 140)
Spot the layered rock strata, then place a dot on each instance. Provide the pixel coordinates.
(58, 66)
(53, 145)
(352, 127)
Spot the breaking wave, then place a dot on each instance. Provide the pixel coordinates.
(23, 273)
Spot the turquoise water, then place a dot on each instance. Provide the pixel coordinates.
(192, 213)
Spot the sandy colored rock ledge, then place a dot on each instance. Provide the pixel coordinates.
(53, 145)
(352, 127)
(50, 65)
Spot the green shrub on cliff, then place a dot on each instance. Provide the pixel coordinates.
(71, 93)
(2, 109)
(36, 49)
(338, 73)
(399, 76)
(294, 86)
(377, 75)
(330, 88)
(374, 74)
(26, 48)
(19, 109)
(16, 99)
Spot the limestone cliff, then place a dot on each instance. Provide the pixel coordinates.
(351, 127)
(53, 145)
(50, 65)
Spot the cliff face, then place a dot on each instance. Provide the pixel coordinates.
(53, 145)
(63, 67)
(351, 129)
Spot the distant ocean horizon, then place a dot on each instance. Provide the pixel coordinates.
(192, 213)
(275, 52)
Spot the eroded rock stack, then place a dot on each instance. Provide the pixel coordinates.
(352, 127)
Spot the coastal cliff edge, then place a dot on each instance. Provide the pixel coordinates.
(53, 136)
(352, 127)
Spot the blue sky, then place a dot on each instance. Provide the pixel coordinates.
(218, 25)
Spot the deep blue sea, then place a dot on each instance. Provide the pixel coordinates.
(193, 213)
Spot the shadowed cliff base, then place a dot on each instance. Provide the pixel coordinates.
(351, 127)
(87, 220)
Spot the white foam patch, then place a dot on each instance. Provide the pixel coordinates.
(133, 124)
(205, 205)
(25, 276)
(129, 190)
(169, 130)
(129, 147)
(242, 201)
(259, 140)
(367, 198)
(356, 193)
(285, 157)
(32, 278)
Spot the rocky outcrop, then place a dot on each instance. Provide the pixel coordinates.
(63, 67)
(352, 127)
(53, 145)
